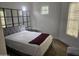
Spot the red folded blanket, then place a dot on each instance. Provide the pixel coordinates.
(38, 40)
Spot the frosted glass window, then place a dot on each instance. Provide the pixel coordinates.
(25, 24)
(13, 17)
(9, 25)
(7, 12)
(24, 13)
(25, 19)
(44, 10)
(15, 20)
(9, 21)
(16, 24)
(21, 20)
(73, 20)
(20, 13)
(14, 12)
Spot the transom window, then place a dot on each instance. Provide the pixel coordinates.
(44, 10)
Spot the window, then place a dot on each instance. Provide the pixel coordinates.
(14, 17)
(2, 18)
(44, 10)
(73, 20)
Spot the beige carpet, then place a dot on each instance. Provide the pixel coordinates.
(58, 49)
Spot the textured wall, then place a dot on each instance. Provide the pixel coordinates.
(46, 23)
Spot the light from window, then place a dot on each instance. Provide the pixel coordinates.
(24, 8)
(44, 10)
(73, 20)
(2, 19)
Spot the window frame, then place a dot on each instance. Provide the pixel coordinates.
(12, 16)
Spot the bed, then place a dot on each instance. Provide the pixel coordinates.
(20, 41)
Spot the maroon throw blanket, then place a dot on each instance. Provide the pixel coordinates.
(38, 40)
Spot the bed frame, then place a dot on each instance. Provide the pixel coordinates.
(11, 30)
(13, 52)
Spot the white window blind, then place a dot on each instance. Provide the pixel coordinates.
(73, 20)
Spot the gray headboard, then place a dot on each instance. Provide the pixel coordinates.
(11, 30)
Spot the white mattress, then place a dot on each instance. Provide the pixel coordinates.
(20, 41)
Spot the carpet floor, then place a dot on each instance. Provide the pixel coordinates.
(58, 49)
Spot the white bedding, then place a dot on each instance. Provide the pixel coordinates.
(20, 41)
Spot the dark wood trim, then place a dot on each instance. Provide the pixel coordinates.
(18, 17)
(23, 17)
(12, 18)
(27, 21)
(4, 17)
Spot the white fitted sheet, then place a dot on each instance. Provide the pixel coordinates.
(20, 41)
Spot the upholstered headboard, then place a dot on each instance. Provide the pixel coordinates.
(11, 30)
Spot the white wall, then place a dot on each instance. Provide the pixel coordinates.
(63, 24)
(15, 5)
(46, 23)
